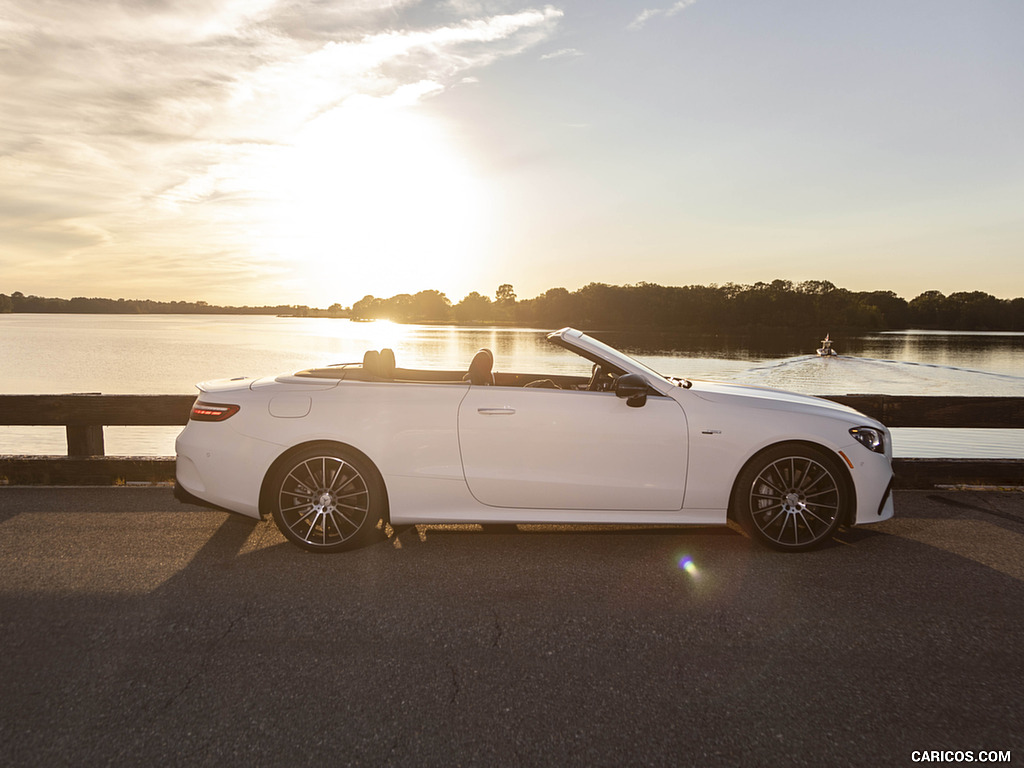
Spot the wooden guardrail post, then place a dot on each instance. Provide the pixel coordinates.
(85, 439)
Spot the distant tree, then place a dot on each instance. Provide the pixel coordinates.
(505, 302)
(600, 304)
(6, 305)
(474, 308)
(978, 311)
(367, 308)
(858, 313)
(431, 306)
(768, 304)
(894, 309)
(813, 287)
(505, 293)
(929, 310)
(1016, 314)
(398, 308)
(550, 309)
(709, 305)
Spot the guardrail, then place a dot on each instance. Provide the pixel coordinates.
(85, 415)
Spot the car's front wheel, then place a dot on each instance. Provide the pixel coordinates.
(326, 498)
(791, 497)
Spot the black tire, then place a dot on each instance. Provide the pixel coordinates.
(792, 497)
(326, 498)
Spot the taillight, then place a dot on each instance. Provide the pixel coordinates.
(212, 412)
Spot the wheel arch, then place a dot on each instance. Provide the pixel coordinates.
(844, 473)
(265, 500)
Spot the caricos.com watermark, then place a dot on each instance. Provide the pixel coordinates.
(960, 756)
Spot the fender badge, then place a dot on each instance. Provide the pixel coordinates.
(711, 432)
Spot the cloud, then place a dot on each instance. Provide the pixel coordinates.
(644, 16)
(196, 69)
(680, 6)
(128, 125)
(649, 13)
(564, 53)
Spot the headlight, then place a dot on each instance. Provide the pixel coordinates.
(871, 438)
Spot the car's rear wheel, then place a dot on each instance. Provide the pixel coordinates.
(326, 498)
(792, 497)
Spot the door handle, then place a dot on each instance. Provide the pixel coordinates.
(496, 411)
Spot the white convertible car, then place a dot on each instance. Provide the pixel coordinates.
(330, 452)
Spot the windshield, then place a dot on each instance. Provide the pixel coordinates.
(612, 354)
(599, 352)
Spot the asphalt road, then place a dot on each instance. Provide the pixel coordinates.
(139, 631)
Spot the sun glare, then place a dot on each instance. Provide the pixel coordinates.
(371, 197)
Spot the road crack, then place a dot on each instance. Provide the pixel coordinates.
(202, 666)
(456, 688)
(498, 630)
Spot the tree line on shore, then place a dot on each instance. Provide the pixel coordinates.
(18, 302)
(815, 304)
(780, 304)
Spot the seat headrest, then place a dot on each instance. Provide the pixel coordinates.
(371, 362)
(480, 368)
(387, 363)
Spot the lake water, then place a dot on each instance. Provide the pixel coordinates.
(167, 354)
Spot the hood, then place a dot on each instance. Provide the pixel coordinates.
(774, 399)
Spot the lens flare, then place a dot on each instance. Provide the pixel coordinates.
(686, 564)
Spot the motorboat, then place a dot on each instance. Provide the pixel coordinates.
(826, 348)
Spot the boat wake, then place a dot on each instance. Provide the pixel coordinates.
(841, 375)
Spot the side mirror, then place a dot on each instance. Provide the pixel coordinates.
(632, 387)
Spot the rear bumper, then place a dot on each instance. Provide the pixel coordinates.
(218, 468)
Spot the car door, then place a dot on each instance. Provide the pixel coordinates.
(565, 449)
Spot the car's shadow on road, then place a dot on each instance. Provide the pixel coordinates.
(235, 537)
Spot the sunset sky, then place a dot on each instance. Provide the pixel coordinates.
(315, 151)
